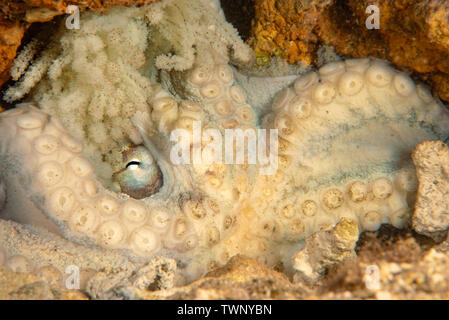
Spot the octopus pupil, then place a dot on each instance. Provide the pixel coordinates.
(132, 163)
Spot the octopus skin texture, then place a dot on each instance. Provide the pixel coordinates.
(345, 137)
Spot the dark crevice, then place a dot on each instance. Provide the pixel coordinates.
(239, 13)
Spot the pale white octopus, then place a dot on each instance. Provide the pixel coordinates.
(345, 137)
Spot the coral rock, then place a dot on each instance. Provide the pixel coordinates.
(26, 286)
(240, 278)
(431, 215)
(23, 10)
(286, 28)
(326, 248)
(11, 34)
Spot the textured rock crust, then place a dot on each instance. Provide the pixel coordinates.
(406, 265)
(410, 267)
(11, 33)
(240, 278)
(26, 286)
(30, 10)
(326, 248)
(431, 215)
(287, 28)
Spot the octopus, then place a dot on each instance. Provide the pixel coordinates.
(344, 135)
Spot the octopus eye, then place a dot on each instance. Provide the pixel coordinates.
(140, 176)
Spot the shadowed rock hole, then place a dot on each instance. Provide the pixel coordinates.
(240, 13)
